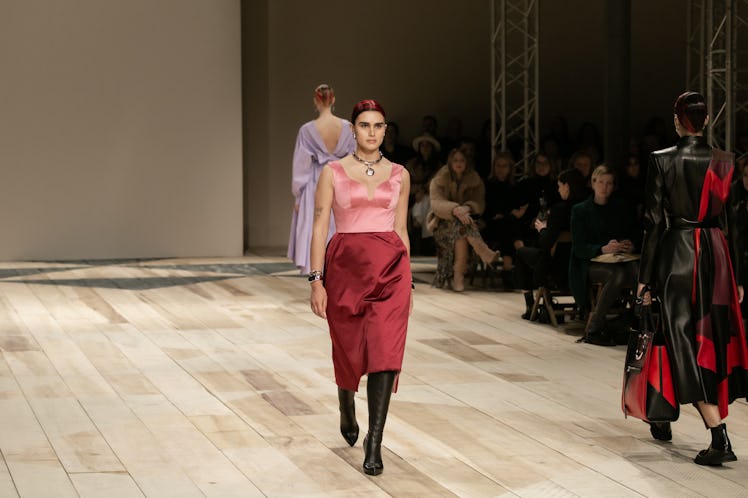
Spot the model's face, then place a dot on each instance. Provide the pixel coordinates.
(542, 166)
(564, 190)
(370, 127)
(458, 164)
(502, 168)
(603, 186)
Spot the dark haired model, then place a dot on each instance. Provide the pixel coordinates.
(686, 261)
(364, 287)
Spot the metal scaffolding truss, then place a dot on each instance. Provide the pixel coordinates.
(716, 65)
(515, 77)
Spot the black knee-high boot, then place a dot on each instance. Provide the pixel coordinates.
(378, 389)
(348, 424)
(720, 451)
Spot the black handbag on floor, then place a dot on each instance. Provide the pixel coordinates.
(648, 389)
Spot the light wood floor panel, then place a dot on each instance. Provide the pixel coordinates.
(212, 377)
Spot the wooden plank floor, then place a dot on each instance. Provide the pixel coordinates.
(213, 378)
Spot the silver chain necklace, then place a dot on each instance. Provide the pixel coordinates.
(369, 170)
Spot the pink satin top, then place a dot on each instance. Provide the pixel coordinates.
(355, 212)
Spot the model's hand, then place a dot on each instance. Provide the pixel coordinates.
(647, 297)
(741, 295)
(319, 299)
(296, 207)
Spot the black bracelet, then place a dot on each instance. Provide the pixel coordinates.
(315, 275)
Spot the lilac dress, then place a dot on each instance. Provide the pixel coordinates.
(309, 157)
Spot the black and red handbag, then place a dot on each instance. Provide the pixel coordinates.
(648, 388)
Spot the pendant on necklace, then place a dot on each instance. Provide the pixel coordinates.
(369, 170)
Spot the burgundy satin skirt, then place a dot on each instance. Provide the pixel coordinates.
(367, 278)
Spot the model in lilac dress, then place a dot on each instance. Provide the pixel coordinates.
(310, 156)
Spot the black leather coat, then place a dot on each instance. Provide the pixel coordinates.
(686, 260)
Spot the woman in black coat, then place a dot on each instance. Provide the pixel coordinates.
(536, 265)
(686, 262)
(502, 227)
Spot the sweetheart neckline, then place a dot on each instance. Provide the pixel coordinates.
(366, 187)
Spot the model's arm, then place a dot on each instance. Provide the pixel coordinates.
(401, 212)
(302, 166)
(401, 218)
(654, 222)
(320, 228)
(654, 225)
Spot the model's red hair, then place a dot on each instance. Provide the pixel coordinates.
(366, 105)
(324, 94)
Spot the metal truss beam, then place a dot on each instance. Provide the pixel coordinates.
(515, 76)
(716, 65)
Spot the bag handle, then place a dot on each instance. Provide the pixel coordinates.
(644, 312)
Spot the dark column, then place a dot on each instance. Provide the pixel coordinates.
(617, 82)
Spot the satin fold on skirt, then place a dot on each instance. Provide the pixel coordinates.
(368, 283)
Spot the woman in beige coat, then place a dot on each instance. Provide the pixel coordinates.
(457, 199)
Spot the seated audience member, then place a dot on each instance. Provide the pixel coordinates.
(602, 224)
(392, 149)
(421, 238)
(537, 190)
(583, 162)
(457, 197)
(501, 229)
(423, 165)
(550, 148)
(536, 266)
(469, 147)
(739, 205)
(430, 126)
(422, 168)
(631, 186)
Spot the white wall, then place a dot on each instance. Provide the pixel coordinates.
(120, 129)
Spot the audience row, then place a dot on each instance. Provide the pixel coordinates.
(578, 230)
